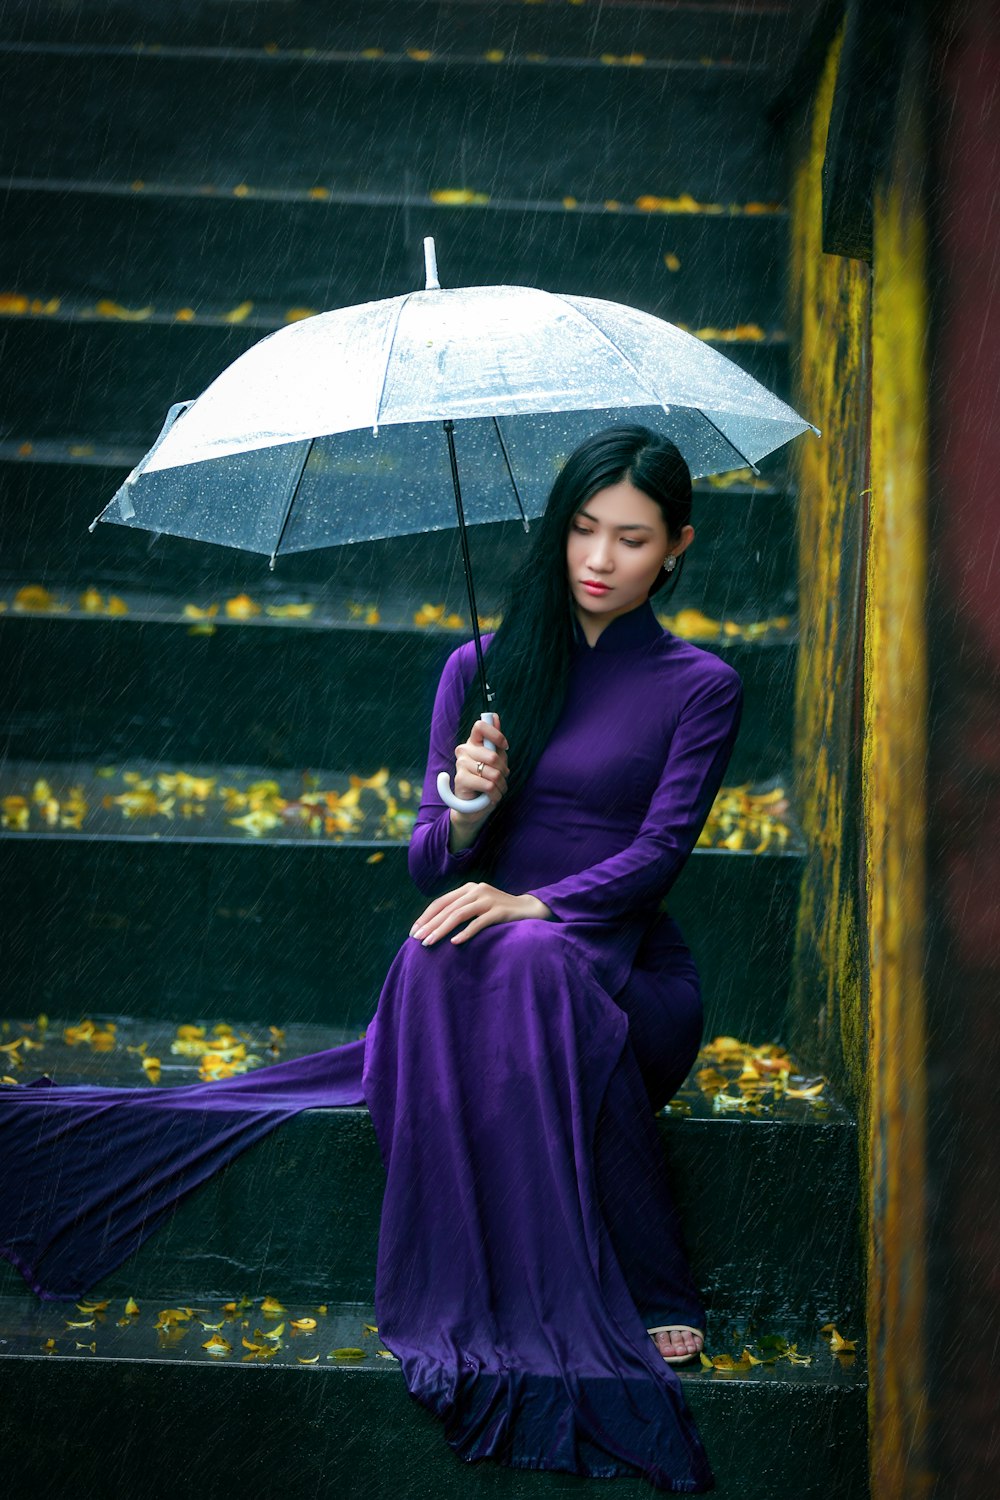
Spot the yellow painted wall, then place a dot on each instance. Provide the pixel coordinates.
(831, 315)
(858, 987)
(893, 784)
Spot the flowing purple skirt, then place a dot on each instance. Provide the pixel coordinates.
(528, 1237)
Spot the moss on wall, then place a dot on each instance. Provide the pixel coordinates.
(894, 770)
(861, 725)
(830, 318)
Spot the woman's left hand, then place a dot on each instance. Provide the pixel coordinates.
(480, 905)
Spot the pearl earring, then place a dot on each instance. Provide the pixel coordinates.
(669, 564)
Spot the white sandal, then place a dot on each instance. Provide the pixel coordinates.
(679, 1359)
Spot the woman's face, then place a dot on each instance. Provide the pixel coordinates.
(615, 549)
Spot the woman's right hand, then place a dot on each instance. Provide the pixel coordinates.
(492, 779)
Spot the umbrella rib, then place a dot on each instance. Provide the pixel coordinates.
(388, 357)
(728, 440)
(585, 318)
(510, 472)
(291, 502)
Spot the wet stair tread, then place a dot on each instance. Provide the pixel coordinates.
(723, 35)
(194, 802)
(108, 1050)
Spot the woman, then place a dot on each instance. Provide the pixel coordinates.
(539, 1012)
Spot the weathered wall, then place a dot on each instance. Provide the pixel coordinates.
(861, 728)
(830, 316)
(895, 814)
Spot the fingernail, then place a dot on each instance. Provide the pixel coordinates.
(416, 930)
(426, 943)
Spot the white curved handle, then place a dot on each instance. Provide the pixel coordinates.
(470, 804)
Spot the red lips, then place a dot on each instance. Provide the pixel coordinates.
(596, 588)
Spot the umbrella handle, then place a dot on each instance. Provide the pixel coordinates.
(470, 804)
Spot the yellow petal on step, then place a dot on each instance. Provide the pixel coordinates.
(274, 1333)
(131, 1307)
(105, 308)
(241, 607)
(307, 1359)
(369, 1328)
(303, 1325)
(217, 1345)
(91, 1347)
(271, 1307)
(90, 1324)
(238, 314)
(347, 1354)
(92, 1307)
(322, 1309)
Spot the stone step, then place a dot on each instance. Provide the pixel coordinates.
(205, 1427)
(84, 255)
(296, 931)
(767, 1198)
(424, 32)
(379, 128)
(742, 564)
(115, 381)
(114, 689)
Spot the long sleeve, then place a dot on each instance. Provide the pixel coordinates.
(640, 875)
(431, 863)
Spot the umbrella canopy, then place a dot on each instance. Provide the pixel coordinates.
(319, 434)
(326, 432)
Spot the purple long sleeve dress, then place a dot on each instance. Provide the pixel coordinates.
(528, 1237)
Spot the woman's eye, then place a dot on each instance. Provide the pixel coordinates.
(629, 543)
(581, 530)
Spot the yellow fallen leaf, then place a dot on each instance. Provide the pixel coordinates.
(309, 1359)
(33, 596)
(92, 1307)
(347, 1354)
(273, 1333)
(304, 1325)
(458, 197)
(838, 1344)
(271, 1307)
(238, 314)
(105, 308)
(89, 1324)
(241, 607)
(217, 1345)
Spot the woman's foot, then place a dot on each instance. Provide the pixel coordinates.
(678, 1342)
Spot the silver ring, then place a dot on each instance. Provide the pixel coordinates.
(479, 768)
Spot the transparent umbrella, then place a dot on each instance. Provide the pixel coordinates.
(329, 431)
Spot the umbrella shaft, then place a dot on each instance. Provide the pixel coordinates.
(449, 428)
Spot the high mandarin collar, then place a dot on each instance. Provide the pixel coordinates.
(628, 632)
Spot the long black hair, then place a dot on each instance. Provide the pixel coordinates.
(528, 659)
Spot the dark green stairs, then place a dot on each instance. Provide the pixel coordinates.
(176, 185)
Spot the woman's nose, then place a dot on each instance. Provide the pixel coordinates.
(600, 558)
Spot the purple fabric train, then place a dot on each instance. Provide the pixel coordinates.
(528, 1237)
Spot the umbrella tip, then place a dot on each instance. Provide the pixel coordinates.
(431, 266)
